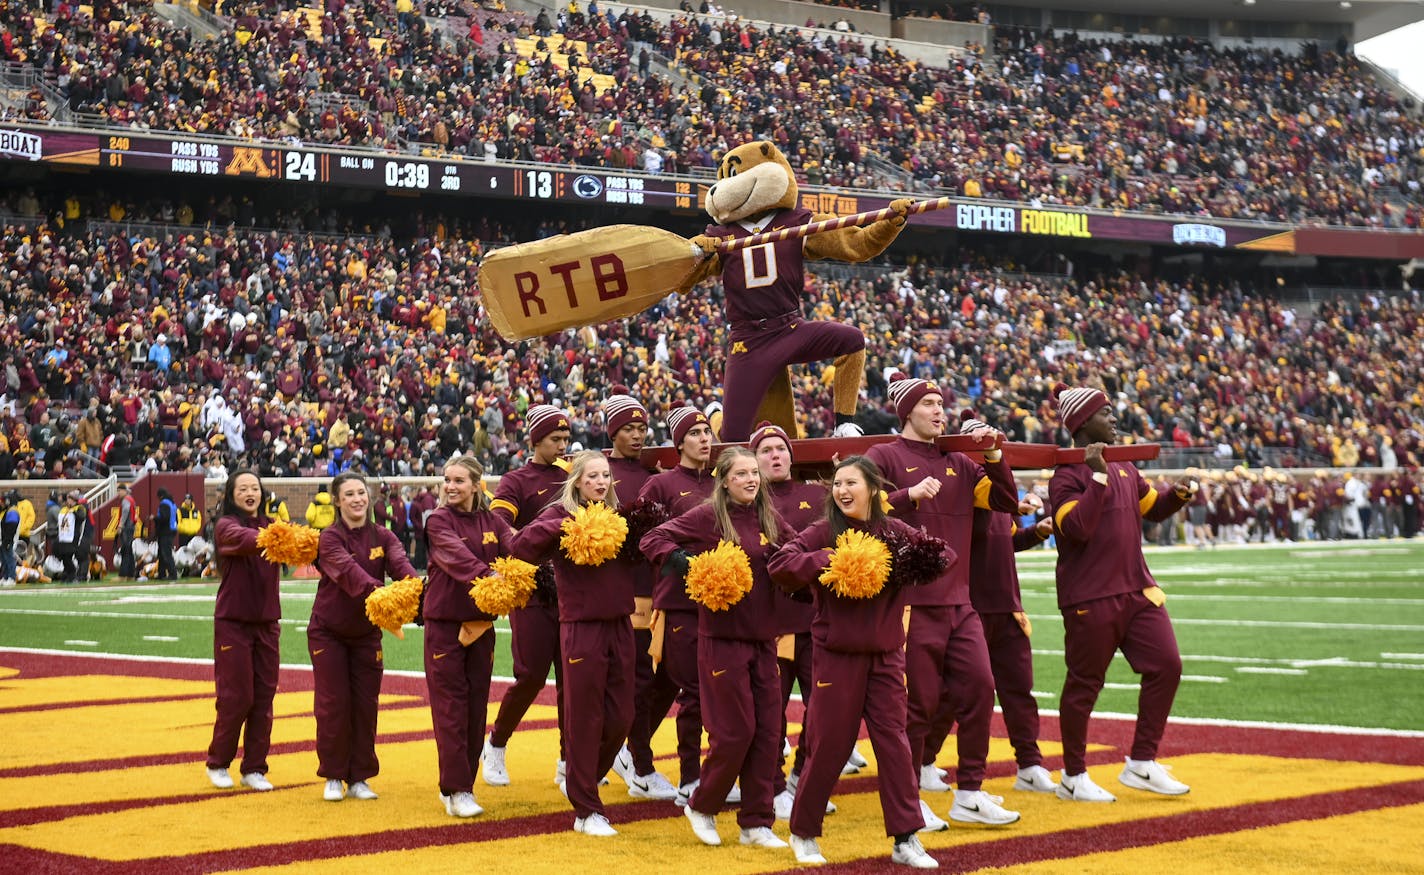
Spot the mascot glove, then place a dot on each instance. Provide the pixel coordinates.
(704, 245)
(901, 206)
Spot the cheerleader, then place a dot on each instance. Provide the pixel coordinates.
(464, 538)
(355, 558)
(245, 634)
(858, 663)
(595, 632)
(738, 683)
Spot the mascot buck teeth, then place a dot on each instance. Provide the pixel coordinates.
(756, 191)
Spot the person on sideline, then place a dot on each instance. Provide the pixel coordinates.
(674, 614)
(737, 677)
(354, 557)
(522, 495)
(465, 538)
(246, 659)
(945, 646)
(1109, 599)
(859, 671)
(626, 423)
(595, 638)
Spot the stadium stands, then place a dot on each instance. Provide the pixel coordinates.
(1173, 127)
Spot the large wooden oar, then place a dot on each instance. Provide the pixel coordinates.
(533, 289)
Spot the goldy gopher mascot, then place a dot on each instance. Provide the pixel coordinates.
(756, 191)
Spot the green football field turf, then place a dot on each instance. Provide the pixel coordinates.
(1294, 633)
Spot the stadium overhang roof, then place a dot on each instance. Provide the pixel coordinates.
(1370, 17)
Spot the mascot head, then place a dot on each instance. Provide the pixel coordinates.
(753, 179)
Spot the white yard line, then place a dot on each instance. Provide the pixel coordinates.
(1206, 678)
(1266, 624)
(1266, 669)
(160, 638)
(1402, 656)
(77, 642)
(1333, 662)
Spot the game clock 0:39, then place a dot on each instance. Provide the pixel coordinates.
(407, 174)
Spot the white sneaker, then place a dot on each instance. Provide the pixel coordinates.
(930, 780)
(792, 780)
(782, 803)
(850, 768)
(1080, 788)
(761, 837)
(492, 765)
(704, 826)
(1151, 776)
(256, 781)
(855, 757)
(623, 767)
(361, 790)
(734, 795)
(785, 747)
(807, 851)
(848, 429)
(652, 786)
(911, 853)
(684, 793)
(1035, 779)
(461, 805)
(334, 791)
(560, 772)
(976, 806)
(220, 778)
(594, 825)
(933, 823)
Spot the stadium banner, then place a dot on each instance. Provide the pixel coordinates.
(177, 155)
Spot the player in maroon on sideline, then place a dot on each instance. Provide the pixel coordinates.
(1108, 598)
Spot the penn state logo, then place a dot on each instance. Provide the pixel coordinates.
(588, 187)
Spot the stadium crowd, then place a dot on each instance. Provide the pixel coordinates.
(1177, 126)
(299, 353)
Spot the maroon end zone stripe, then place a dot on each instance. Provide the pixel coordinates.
(96, 703)
(1156, 830)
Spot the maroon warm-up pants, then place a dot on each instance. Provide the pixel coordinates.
(246, 661)
(849, 687)
(534, 644)
(1092, 633)
(347, 675)
(741, 695)
(679, 672)
(945, 646)
(1011, 660)
(796, 670)
(653, 692)
(749, 374)
(598, 696)
(458, 680)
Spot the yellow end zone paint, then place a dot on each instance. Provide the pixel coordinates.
(99, 732)
(1388, 840)
(31, 692)
(408, 800)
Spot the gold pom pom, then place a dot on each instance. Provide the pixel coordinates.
(391, 607)
(860, 565)
(719, 578)
(593, 535)
(285, 543)
(507, 589)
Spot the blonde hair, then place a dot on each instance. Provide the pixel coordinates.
(767, 518)
(569, 497)
(477, 474)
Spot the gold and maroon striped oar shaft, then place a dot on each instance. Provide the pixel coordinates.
(731, 245)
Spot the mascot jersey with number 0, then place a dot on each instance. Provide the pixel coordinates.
(756, 192)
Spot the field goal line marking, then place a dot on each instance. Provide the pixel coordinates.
(1103, 715)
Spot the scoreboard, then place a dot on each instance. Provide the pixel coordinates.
(387, 171)
(177, 155)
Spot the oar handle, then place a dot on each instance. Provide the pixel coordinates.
(793, 233)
